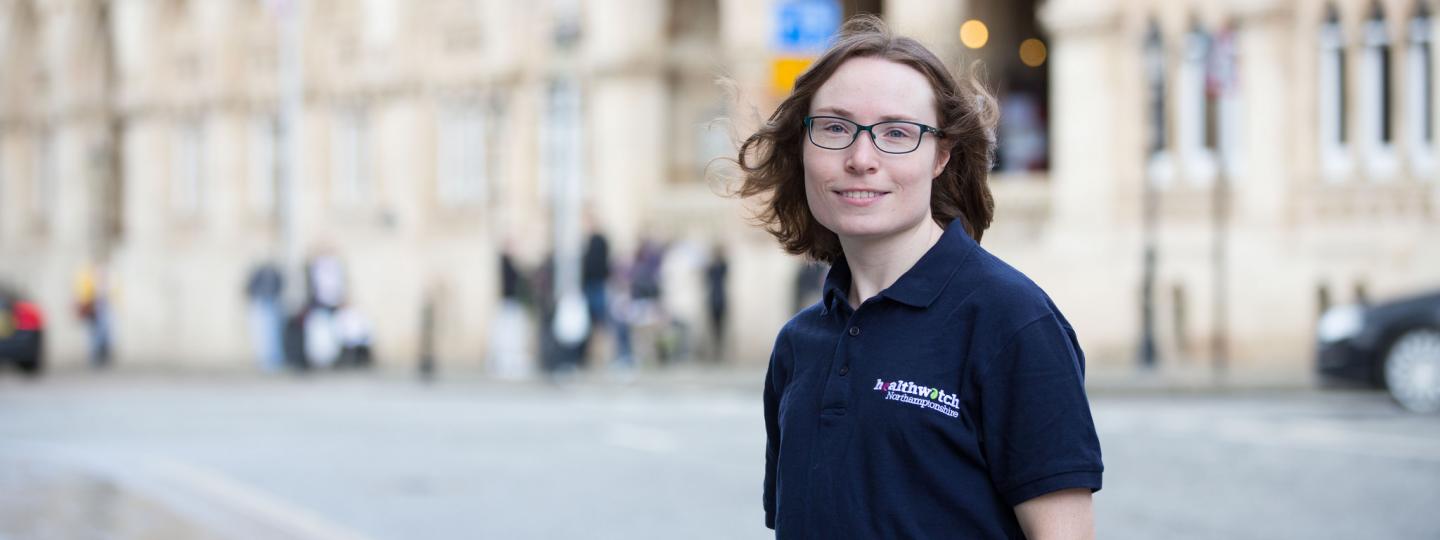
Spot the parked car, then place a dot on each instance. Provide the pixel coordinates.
(1393, 345)
(22, 332)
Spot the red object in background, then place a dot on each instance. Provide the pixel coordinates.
(27, 317)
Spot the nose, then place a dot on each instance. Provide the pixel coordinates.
(863, 157)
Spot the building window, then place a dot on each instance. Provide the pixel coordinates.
(350, 176)
(462, 160)
(264, 167)
(1197, 109)
(1377, 127)
(1334, 153)
(1159, 165)
(43, 188)
(1223, 86)
(692, 140)
(561, 142)
(382, 18)
(1420, 84)
(187, 159)
(5, 196)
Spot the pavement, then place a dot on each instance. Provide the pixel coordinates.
(161, 454)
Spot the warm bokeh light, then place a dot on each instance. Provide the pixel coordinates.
(974, 34)
(1032, 52)
(784, 71)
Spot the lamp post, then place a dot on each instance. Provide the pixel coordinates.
(1155, 78)
(1221, 85)
(288, 140)
(564, 155)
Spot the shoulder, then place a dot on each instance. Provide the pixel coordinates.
(807, 321)
(1000, 295)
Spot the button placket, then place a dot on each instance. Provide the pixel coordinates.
(837, 391)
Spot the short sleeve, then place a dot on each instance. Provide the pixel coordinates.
(1036, 429)
(774, 385)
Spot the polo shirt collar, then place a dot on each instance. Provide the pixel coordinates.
(922, 283)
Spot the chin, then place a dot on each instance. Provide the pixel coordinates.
(873, 226)
(851, 227)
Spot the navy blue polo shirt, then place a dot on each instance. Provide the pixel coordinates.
(931, 410)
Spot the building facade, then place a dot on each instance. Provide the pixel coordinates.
(1271, 158)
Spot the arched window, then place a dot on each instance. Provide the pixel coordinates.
(188, 189)
(352, 179)
(1377, 108)
(382, 19)
(1158, 155)
(45, 173)
(1332, 98)
(1224, 88)
(462, 154)
(1420, 93)
(1196, 113)
(262, 164)
(693, 100)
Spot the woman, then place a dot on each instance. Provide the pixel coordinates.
(934, 391)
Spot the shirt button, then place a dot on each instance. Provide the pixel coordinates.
(854, 330)
(845, 369)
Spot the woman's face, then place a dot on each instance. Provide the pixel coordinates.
(860, 192)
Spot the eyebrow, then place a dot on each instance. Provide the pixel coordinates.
(847, 114)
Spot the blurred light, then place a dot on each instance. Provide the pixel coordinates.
(974, 34)
(784, 70)
(1032, 52)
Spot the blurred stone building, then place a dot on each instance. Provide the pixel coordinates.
(1273, 157)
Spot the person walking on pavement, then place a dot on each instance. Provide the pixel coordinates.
(92, 304)
(326, 280)
(509, 343)
(594, 278)
(716, 273)
(263, 290)
(934, 391)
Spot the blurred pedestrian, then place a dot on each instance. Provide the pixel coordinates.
(594, 278)
(934, 391)
(510, 331)
(563, 323)
(354, 334)
(622, 317)
(263, 290)
(92, 305)
(647, 313)
(716, 274)
(326, 292)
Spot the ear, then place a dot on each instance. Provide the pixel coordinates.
(942, 158)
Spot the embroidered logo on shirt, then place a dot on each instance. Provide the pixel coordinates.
(920, 396)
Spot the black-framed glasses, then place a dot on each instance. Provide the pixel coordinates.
(891, 137)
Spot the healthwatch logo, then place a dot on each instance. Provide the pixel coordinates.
(920, 396)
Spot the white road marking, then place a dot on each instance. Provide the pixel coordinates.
(217, 501)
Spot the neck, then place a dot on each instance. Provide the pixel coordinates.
(875, 263)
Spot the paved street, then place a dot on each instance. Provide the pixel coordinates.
(356, 456)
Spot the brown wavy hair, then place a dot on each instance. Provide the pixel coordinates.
(771, 165)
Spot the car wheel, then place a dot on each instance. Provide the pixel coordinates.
(1412, 370)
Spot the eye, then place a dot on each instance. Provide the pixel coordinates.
(832, 126)
(899, 132)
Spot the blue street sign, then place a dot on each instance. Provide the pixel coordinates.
(805, 26)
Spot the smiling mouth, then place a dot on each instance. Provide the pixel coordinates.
(860, 195)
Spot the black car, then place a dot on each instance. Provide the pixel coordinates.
(1393, 345)
(22, 332)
